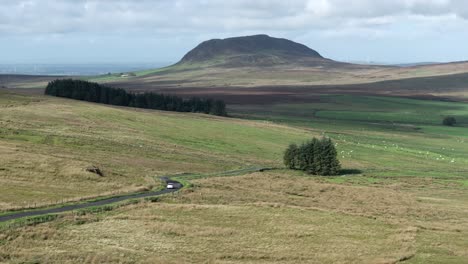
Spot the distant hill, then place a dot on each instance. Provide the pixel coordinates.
(416, 64)
(264, 61)
(257, 50)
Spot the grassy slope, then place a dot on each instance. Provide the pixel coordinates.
(408, 202)
(46, 144)
(227, 220)
(383, 136)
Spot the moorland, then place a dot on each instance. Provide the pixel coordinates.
(400, 197)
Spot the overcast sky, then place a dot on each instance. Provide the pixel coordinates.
(103, 31)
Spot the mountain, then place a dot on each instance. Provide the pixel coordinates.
(257, 50)
(264, 61)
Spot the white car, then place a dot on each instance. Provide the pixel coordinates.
(170, 186)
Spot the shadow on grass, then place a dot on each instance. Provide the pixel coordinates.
(349, 172)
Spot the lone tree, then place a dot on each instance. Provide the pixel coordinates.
(316, 156)
(449, 121)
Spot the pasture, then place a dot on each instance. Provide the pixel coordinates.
(381, 136)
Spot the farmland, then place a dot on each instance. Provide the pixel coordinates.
(381, 135)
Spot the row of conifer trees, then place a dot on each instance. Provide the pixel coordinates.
(94, 92)
(317, 156)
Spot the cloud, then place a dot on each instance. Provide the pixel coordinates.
(68, 28)
(113, 16)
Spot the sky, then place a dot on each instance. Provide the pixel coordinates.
(162, 31)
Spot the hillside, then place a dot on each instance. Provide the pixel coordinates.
(262, 61)
(46, 144)
(257, 50)
(402, 195)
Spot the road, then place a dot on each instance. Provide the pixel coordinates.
(166, 179)
(102, 202)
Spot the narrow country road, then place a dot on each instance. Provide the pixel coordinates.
(166, 179)
(13, 216)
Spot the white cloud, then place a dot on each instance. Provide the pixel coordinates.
(169, 24)
(62, 16)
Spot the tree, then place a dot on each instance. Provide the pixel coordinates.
(449, 121)
(218, 108)
(311, 156)
(290, 159)
(315, 156)
(302, 157)
(329, 160)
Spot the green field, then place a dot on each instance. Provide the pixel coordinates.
(402, 196)
(47, 143)
(382, 136)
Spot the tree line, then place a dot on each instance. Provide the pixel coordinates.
(94, 92)
(316, 156)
